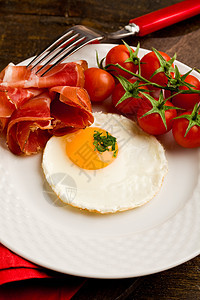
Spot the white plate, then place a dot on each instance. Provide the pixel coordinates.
(160, 235)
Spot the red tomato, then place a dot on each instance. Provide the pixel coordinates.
(167, 94)
(119, 54)
(99, 84)
(129, 105)
(187, 101)
(149, 64)
(192, 138)
(153, 123)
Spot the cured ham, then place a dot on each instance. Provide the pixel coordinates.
(70, 109)
(33, 108)
(3, 123)
(70, 74)
(13, 98)
(27, 131)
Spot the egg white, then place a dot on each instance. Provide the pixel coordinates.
(134, 178)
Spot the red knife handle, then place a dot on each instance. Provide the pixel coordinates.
(166, 16)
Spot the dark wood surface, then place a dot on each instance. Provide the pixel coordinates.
(26, 26)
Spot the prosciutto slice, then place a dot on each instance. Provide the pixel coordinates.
(27, 131)
(3, 123)
(12, 98)
(71, 109)
(33, 108)
(70, 74)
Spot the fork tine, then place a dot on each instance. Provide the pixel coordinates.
(53, 53)
(69, 52)
(40, 56)
(58, 54)
(71, 41)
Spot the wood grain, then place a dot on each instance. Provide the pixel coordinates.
(182, 282)
(26, 26)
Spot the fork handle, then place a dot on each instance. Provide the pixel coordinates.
(166, 16)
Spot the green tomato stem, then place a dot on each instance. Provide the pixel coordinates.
(148, 82)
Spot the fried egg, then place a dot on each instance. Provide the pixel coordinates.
(123, 177)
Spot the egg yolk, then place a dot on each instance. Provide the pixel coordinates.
(84, 150)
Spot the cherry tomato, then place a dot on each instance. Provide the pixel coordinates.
(149, 64)
(187, 101)
(192, 138)
(129, 105)
(167, 94)
(119, 54)
(153, 123)
(99, 84)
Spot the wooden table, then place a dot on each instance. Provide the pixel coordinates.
(26, 26)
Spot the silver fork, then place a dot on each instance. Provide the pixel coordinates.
(71, 41)
(78, 36)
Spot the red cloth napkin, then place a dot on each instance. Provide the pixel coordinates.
(14, 271)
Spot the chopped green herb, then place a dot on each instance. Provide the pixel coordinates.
(104, 143)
